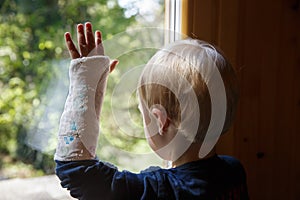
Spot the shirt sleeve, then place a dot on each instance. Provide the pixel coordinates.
(86, 179)
(94, 179)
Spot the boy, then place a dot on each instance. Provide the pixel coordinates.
(175, 93)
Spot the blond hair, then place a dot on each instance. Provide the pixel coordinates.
(185, 67)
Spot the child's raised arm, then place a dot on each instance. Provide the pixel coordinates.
(79, 124)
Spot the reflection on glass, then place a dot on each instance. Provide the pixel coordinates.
(33, 78)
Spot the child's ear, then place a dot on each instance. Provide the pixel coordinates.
(162, 119)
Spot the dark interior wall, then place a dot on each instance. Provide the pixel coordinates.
(262, 40)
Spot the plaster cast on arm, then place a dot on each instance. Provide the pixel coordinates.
(79, 123)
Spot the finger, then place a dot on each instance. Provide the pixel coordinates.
(90, 40)
(113, 65)
(71, 47)
(81, 40)
(98, 38)
(98, 41)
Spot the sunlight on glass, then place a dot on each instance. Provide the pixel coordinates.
(34, 78)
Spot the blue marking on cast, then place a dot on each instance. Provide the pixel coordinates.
(69, 139)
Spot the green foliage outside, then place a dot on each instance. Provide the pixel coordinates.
(33, 80)
(31, 48)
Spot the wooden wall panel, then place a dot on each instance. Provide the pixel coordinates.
(258, 92)
(287, 126)
(262, 40)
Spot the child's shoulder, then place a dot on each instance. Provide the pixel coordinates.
(230, 160)
(233, 167)
(216, 162)
(151, 169)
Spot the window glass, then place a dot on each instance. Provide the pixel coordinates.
(34, 78)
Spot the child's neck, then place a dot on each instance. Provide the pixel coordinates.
(192, 154)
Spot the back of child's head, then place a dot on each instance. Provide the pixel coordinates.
(179, 77)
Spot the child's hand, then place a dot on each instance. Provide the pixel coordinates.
(87, 43)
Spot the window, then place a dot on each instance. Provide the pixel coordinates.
(34, 68)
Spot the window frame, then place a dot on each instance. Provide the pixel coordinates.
(173, 20)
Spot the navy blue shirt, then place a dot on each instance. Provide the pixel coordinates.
(218, 177)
